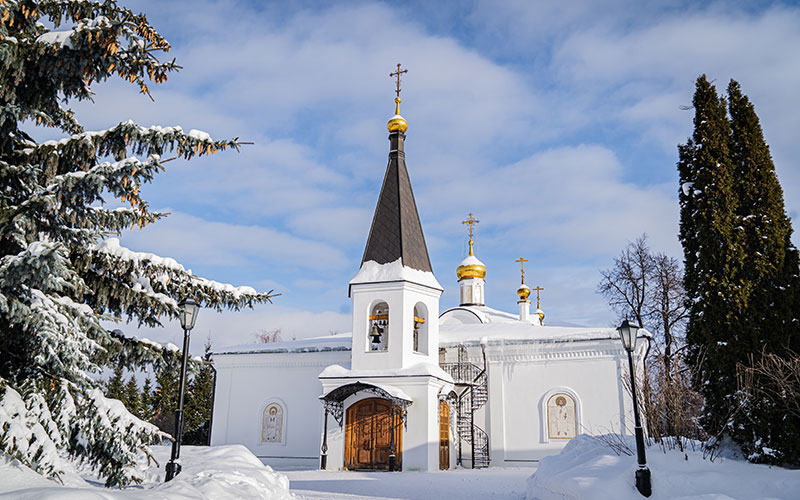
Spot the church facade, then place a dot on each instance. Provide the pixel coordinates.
(413, 388)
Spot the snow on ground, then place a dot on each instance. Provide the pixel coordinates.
(218, 473)
(459, 484)
(586, 469)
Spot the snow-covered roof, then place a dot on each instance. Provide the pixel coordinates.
(471, 323)
(338, 371)
(372, 272)
(520, 332)
(497, 327)
(337, 342)
(476, 314)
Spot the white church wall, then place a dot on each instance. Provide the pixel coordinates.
(421, 436)
(523, 376)
(248, 383)
(588, 376)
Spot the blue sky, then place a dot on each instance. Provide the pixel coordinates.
(557, 125)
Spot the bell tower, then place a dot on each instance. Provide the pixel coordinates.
(395, 294)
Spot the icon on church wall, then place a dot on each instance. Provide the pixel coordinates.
(561, 419)
(272, 424)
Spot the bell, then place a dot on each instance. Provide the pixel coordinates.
(375, 334)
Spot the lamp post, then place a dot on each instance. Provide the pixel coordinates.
(627, 332)
(187, 316)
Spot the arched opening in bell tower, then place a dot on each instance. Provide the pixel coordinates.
(378, 331)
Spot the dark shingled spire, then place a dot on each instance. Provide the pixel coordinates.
(396, 232)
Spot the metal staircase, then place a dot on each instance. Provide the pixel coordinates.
(471, 382)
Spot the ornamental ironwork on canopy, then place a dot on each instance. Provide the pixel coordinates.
(333, 402)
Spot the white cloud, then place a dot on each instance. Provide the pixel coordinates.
(217, 244)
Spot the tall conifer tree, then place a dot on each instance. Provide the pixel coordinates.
(768, 277)
(713, 256)
(741, 271)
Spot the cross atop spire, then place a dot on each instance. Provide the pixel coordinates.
(538, 289)
(522, 267)
(471, 223)
(397, 74)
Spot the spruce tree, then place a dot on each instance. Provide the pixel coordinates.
(165, 397)
(713, 255)
(131, 397)
(59, 274)
(198, 403)
(114, 385)
(146, 401)
(769, 280)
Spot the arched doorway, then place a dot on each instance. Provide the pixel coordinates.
(444, 435)
(368, 435)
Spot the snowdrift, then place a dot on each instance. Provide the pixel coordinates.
(587, 469)
(218, 473)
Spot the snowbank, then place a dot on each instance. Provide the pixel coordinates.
(586, 469)
(218, 472)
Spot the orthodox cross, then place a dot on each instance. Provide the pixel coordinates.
(522, 267)
(471, 222)
(538, 289)
(397, 74)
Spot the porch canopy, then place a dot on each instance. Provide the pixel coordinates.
(333, 401)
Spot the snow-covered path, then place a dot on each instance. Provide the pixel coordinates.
(461, 484)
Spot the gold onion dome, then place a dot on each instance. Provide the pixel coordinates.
(397, 122)
(523, 292)
(471, 267)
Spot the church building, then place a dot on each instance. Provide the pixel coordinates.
(413, 388)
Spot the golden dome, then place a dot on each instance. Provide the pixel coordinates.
(523, 292)
(397, 122)
(471, 267)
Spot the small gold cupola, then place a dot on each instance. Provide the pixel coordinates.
(523, 292)
(471, 267)
(397, 123)
(471, 273)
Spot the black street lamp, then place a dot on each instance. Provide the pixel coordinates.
(188, 316)
(627, 332)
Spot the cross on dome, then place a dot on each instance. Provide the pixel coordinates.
(522, 262)
(471, 222)
(538, 289)
(397, 74)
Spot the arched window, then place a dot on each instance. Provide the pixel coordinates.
(272, 423)
(562, 416)
(378, 331)
(420, 329)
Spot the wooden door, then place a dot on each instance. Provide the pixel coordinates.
(444, 436)
(368, 435)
